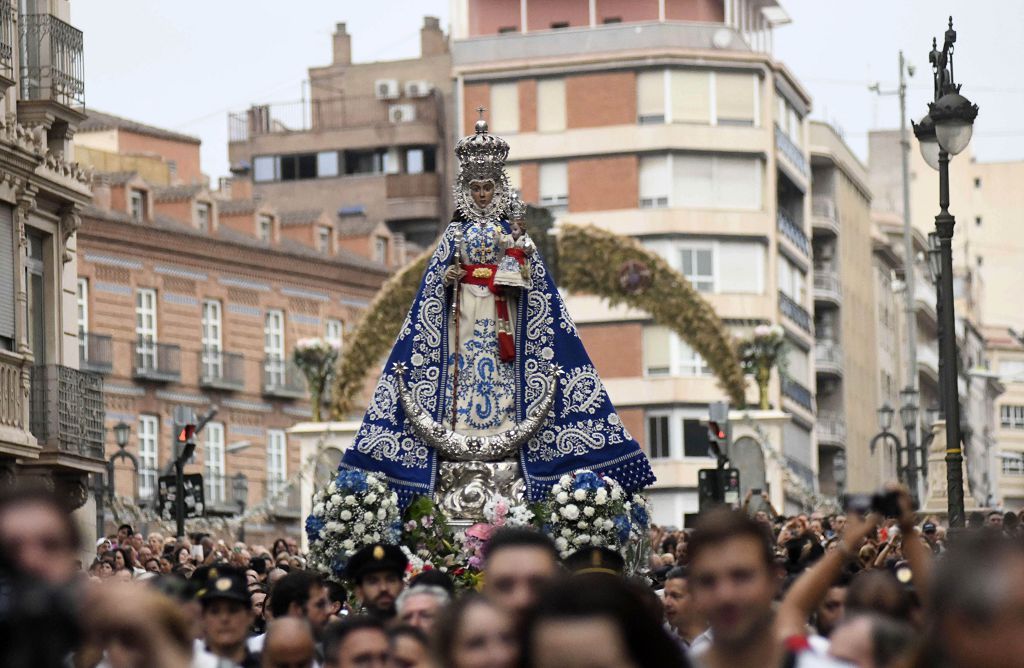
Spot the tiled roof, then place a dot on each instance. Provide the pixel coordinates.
(177, 193)
(301, 217)
(357, 227)
(98, 121)
(237, 206)
(230, 236)
(116, 178)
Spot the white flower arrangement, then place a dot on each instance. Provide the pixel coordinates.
(355, 510)
(587, 509)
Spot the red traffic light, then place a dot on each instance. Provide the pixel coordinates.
(715, 431)
(187, 433)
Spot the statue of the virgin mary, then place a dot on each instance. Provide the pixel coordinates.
(488, 389)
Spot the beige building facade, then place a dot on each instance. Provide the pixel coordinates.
(679, 129)
(51, 412)
(844, 314)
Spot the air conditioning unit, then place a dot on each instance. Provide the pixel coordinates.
(401, 113)
(386, 89)
(418, 88)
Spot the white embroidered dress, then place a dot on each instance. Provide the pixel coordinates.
(486, 385)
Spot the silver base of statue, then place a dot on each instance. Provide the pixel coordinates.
(465, 488)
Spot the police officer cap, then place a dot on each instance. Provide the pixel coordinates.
(595, 560)
(374, 559)
(224, 582)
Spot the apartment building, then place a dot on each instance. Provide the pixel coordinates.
(668, 121)
(51, 412)
(1006, 349)
(370, 142)
(188, 299)
(979, 383)
(844, 304)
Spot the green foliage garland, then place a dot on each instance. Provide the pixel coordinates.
(670, 299)
(590, 260)
(375, 333)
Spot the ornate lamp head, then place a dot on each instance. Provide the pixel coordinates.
(482, 158)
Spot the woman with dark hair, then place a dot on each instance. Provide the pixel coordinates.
(123, 559)
(280, 545)
(596, 621)
(472, 633)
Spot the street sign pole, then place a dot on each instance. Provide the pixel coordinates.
(179, 496)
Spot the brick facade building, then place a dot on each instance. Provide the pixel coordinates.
(188, 299)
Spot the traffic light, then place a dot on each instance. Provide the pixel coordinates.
(718, 425)
(186, 440)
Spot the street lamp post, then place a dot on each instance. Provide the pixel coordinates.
(122, 432)
(946, 131)
(240, 495)
(908, 417)
(885, 414)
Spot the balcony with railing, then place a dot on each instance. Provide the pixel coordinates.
(8, 40)
(219, 370)
(412, 196)
(925, 297)
(157, 361)
(52, 64)
(331, 113)
(828, 358)
(823, 215)
(791, 151)
(798, 314)
(67, 411)
(95, 352)
(282, 499)
(830, 429)
(14, 414)
(281, 378)
(828, 289)
(793, 232)
(797, 393)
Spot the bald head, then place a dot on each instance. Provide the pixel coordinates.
(289, 644)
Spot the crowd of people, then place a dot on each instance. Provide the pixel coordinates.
(745, 587)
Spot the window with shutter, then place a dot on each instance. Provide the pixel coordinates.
(551, 105)
(650, 97)
(691, 96)
(504, 109)
(734, 98)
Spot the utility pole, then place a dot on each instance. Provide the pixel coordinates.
(909, 265)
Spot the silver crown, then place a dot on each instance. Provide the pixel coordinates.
(516, 208)
(481, 155)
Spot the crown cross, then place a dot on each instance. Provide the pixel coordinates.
(480, 110)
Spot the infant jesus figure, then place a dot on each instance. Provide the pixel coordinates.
(514, 268)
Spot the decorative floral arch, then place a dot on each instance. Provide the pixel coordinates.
(628, 274)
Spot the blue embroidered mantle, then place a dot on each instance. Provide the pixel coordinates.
(583, 430)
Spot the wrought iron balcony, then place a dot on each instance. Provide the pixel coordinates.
(828, 358)
(792, 152)
(827, 286)
(823, 215)
(157, 361)
(8, 39)
(795, 312)
(52, 66)
(282, 499)
(67, 410)
(793, 232)
(797, 393)
(95, 352)
(830, 428)
(220, 370)
(281, 378)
